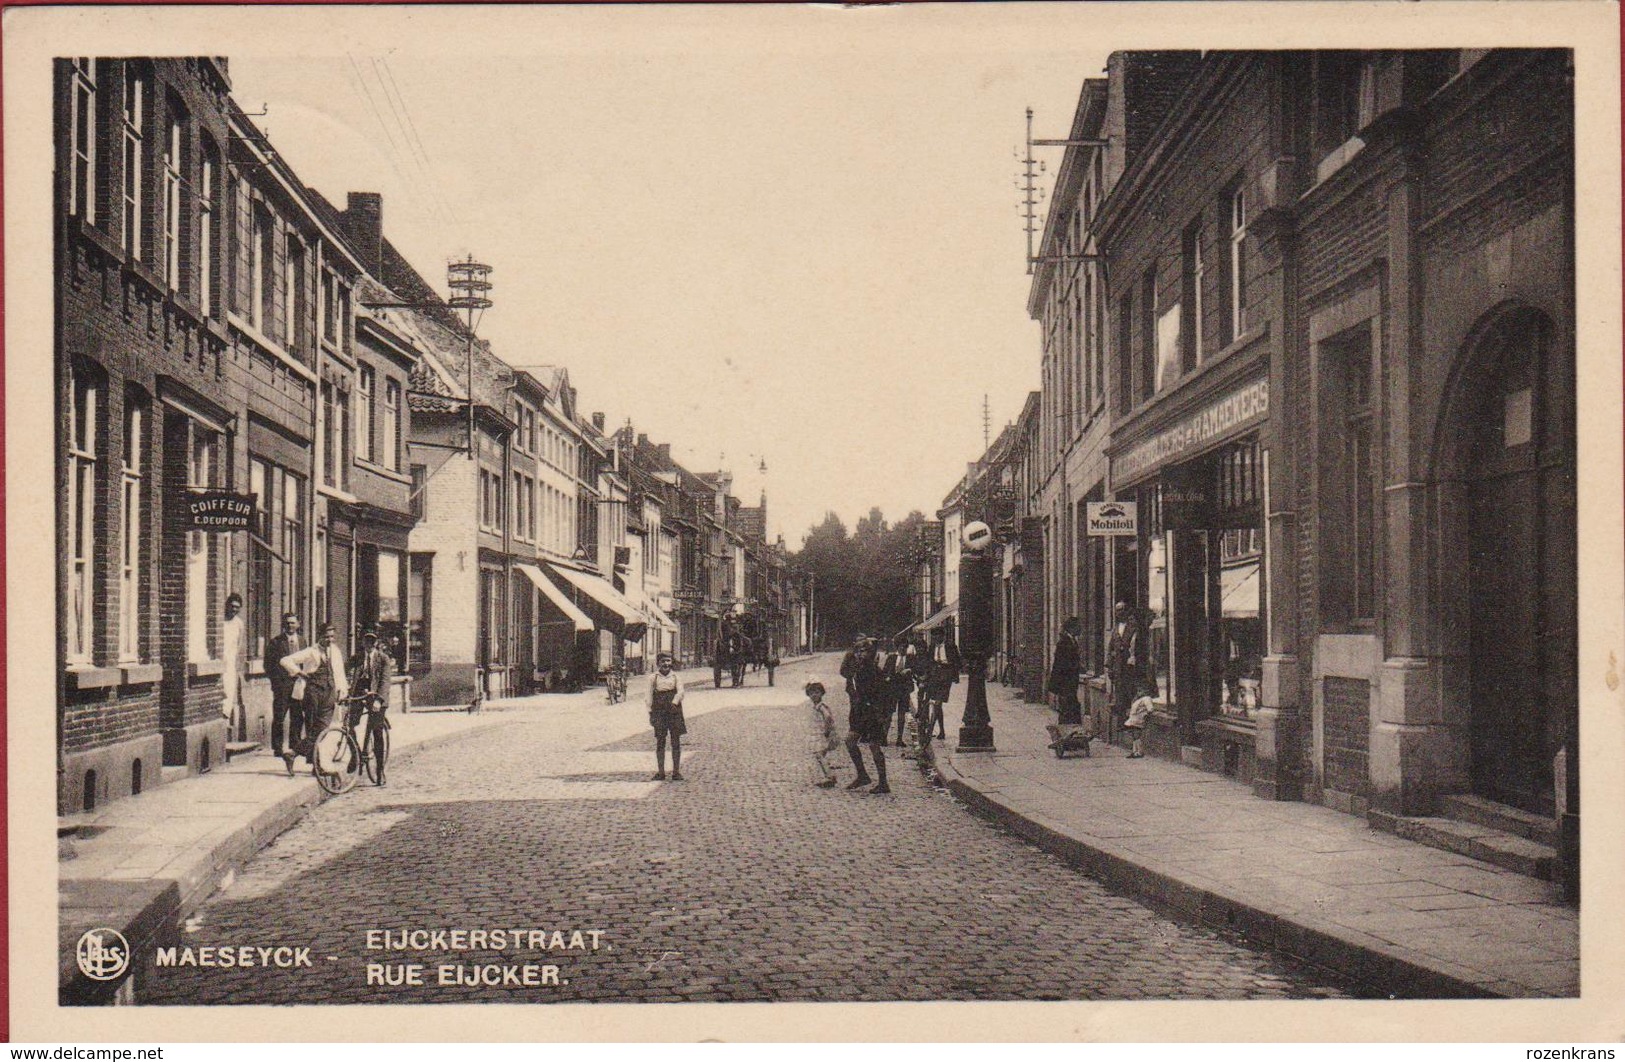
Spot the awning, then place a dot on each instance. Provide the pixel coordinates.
(940, 616)
(603, 593)
(550, 591)
(653, 611)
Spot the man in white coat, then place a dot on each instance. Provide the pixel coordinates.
(321, 667)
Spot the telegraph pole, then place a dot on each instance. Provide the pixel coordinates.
(469, 283)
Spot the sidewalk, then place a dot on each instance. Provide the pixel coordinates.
(1323, 886)
(144, 863)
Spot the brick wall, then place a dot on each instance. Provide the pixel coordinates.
(1348, 236)
(1347, 734)
(92, 718)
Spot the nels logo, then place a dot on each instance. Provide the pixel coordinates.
(103, 954)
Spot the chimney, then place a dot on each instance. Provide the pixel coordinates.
(598, 422)
(364, 224)
(643, 441)
(664, 450)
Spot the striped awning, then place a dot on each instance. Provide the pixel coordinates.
(939, 617)
(612, 600)
(579, 619)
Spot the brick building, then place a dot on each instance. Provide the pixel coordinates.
(1340, 300)
(147, 411)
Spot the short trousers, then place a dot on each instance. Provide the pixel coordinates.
(668, 721)
(870, 730)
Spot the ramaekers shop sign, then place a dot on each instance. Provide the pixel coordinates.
(219, 510)
(1235, 410)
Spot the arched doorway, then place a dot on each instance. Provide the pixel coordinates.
(1510, 437)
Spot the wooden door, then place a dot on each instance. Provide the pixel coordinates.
(1521, 572)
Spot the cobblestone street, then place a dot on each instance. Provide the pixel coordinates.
(741, 883)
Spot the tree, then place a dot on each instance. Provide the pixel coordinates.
(864, 580)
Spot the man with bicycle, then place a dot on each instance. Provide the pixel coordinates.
(319, 683)
(371, 668)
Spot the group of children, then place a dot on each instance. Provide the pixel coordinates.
(882, 677)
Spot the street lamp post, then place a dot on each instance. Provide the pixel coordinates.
(975, 645)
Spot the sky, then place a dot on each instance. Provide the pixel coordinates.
(795, 248)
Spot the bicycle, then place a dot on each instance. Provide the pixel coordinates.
(615, 684)
(337, 760)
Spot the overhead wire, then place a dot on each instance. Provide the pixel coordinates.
(417, 140)
(397, 159)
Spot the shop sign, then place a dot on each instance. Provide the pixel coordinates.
(1112, 518)
(220, 510)
(1235, 410)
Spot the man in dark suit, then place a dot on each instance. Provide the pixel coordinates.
(285, 712)
(942, 671)
(1063, 674)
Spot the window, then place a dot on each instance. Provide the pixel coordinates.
(296, 326)
(1362, 484)
(84, 411)
(519, 521)
(344, 318)
(135, 106)
(263, 255)
(172, 204)
(1345, 98)
(335, 437)
(1235, 269)
(1148, 334)
(420, 492)
(82, 140)
(278, 555)
(490, 501)
(1194, 278)
(203, 471)
(133, 547)
(1349, 477)
(530, 487)
(330, 307)
(205, 231)
(391, 446)
(493, 616)
(419, 602)
(366, 382)
(1125, 353)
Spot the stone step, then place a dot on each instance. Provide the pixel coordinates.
(1466, 807)
(1496, 847)
(240, 748)
(173, 774)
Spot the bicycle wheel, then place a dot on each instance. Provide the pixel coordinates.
(337, 760)
(375, 750)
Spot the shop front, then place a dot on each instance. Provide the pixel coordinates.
(1194, 573)
(617, 619)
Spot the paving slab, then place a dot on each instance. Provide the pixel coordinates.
(1321, 885)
